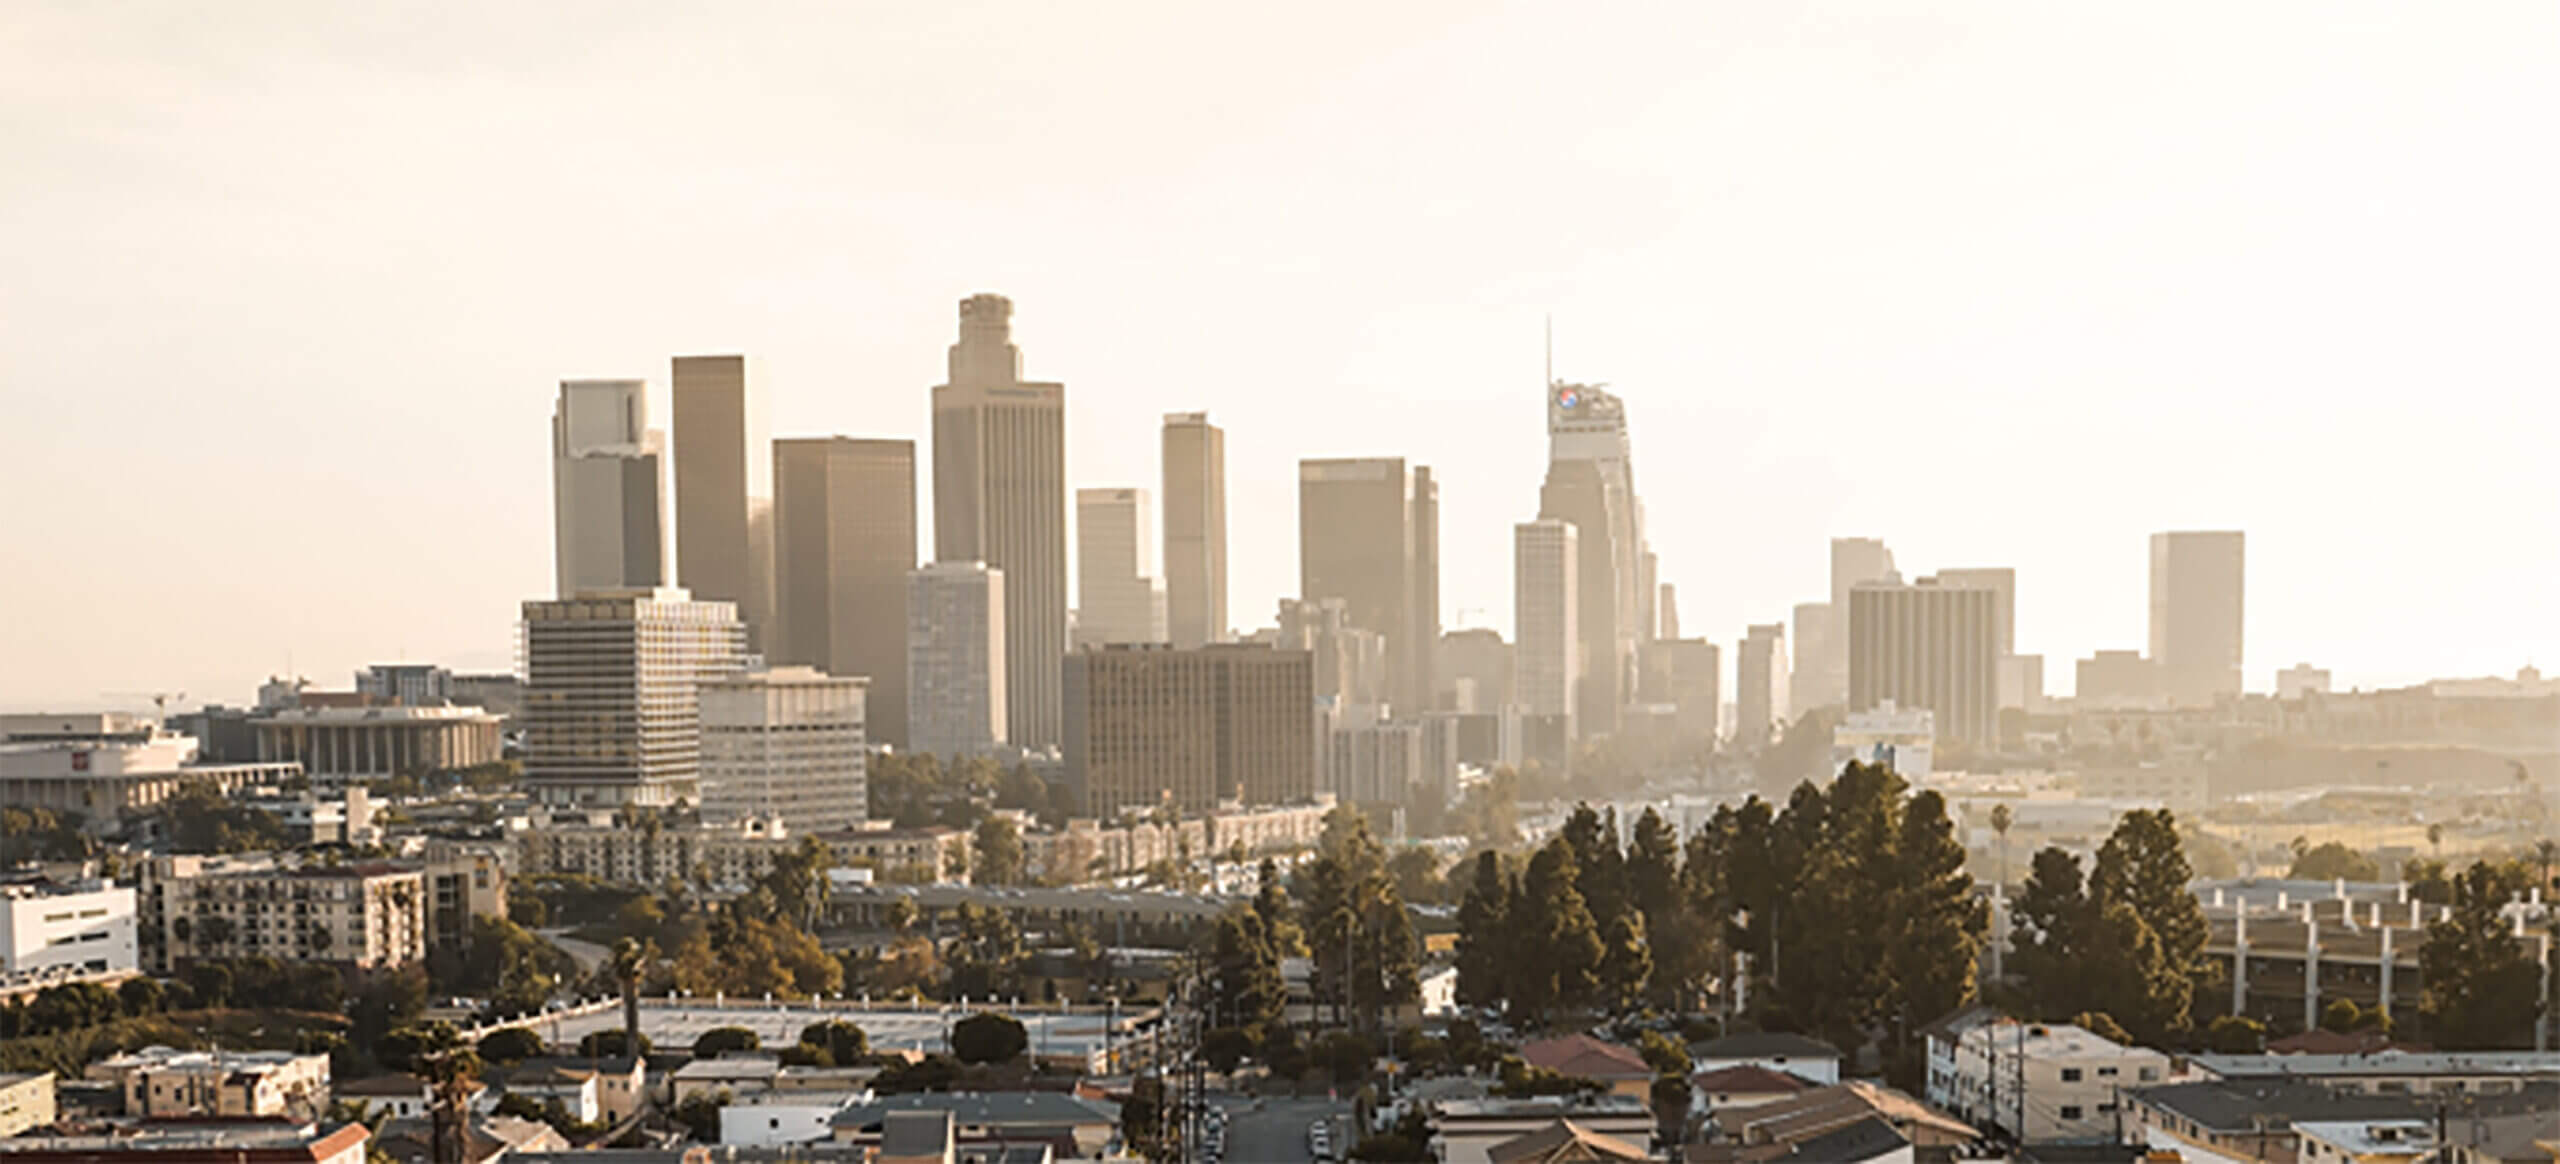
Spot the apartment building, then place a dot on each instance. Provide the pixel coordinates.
(2044, 1083)
(651, 853)
(363, 916)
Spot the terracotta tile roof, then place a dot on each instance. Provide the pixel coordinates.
(1585, 1057)
(1564, 1142)
(1748, 1079)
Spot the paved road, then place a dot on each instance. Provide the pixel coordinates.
(586, 954)
(1278, 1133)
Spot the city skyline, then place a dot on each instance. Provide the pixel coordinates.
(2046, 377)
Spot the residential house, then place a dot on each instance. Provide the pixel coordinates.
(1808, 1059)
(1073, 1126)
(1579, 1056)
(2366, 1141)
(1795, 1121)
(1737, 1089)
(1466, 1131)
(1565, 1142)
(773, 1118)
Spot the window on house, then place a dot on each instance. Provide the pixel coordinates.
(2071, 1075)
(2071, 1111)
(2106, 1072)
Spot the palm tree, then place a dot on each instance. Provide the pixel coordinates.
(449, 1066)
(629, 958)
(2001, 819)
(2545, 851)
(2435, 838)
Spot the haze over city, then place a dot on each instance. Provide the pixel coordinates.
(292, 287)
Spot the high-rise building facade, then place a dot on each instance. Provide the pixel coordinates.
(1195, 529)
(1148, 725)
(1760, 686)
(612, 699)
(1420, 680)
(608, 488)
(1854, 561)
(1349, 661)
(1693, 675)
(1815, 623)
(1547, 657)
(1591, 482)
(724, 491)
(784, 745)
(2002, 582)
(2197, 577)
(956, 664)
(1119, 597)
(1000, 497)
(1356, 542)
(1667, 613)
(1475, 670)
(1933, 645)
(844, 521)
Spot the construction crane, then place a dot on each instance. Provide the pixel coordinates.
(159, 699)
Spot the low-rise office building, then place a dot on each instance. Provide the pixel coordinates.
(337, 745)
(56, 933)
(26, 1103)
(105, 767)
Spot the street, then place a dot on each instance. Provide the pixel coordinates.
(1278, 1133)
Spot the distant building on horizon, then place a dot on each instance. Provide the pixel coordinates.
(1547, 655)
(612, 705)
(1000, 497)
(608, 488)
(2197, 579)
(724, 490)
(1816, 624)
(1760, 686)
(1853, 561)
(1475, 671)
(2301, 679)
(1195, 529)
(1120, 598)
(1930, 644)
(844, 522)
(1358, 541)
(2115, 678)
(1590, 482)
(957, 681)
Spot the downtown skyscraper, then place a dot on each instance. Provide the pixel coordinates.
(1000, 497)
(1591, 483)
(844, 521)
(608, 488)
(1119, 597)
(724, 491)
(1195, 529)
(2197, 582)
(1362, 538)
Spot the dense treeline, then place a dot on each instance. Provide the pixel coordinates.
(1847, 913)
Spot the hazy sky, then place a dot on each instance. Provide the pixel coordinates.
(286, 289)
